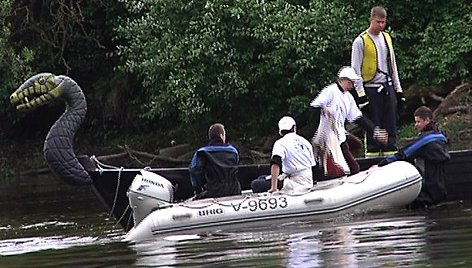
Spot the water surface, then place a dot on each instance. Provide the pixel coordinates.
(45, 223)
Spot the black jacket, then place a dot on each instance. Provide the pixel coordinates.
(429, 154)
(215, 168)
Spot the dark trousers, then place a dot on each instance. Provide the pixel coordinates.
(383, 113)
(351, 161)
(261, 184)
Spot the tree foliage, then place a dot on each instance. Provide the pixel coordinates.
(14, 63)
(232, 61)
(433, 40)
(444, 52)
(181, 65)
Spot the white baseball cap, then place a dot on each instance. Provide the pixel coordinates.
(348, 73)
(286, 123)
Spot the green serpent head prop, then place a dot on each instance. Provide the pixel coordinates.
(58, 146)
(36, 91)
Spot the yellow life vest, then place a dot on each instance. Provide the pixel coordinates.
(369, 62)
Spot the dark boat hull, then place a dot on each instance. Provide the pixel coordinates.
(110, 185)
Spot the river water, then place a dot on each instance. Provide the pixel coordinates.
(45, 223)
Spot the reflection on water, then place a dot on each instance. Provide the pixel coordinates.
(41, 213)
(45, 223)
(284, 247)
(31, 244)
(396, 242)
(401, 241)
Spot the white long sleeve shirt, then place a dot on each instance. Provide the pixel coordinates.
(357, 56)
(341, 104)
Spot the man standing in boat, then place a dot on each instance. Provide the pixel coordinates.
(373, 58)
(336, 105)
(429, 154)
(293, 155)
(214, 168)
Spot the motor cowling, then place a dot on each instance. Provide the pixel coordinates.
(148, 192)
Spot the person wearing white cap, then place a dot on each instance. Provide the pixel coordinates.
(337, 105)
(293, 155)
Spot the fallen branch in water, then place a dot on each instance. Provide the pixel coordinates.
(126, 154)
(134, 154)
(146, 159)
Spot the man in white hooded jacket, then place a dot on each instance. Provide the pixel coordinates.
(337, 105)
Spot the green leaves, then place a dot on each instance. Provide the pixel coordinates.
(14, 64)
(180, 64)
(231, 60)
(446, 48)
(433, 44)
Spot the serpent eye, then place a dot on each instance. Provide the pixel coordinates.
(42, 81)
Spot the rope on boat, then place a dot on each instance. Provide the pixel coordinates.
(357, 182)
(230, 205)
(213, 201)
(121, 217)
(115, 199)
(116, 191)
(131, 217)
(102, 166)
(197, 207)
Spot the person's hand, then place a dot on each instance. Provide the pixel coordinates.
(364, 104)
(401, 100)
(327, 112)
(381, 135)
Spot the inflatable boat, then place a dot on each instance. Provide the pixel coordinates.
(151, 199)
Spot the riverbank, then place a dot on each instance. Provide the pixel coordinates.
(22, 157)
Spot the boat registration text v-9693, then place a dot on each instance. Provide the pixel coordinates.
(262, 204)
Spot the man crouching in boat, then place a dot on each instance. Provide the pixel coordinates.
(214, 168)
(429, 154)
(293, 155)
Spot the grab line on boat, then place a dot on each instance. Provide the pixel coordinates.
(346, 180)
(230, 205)
(214, 201)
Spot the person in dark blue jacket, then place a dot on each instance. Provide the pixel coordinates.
(429, 154)
(214, 167)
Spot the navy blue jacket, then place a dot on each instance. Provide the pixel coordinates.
(214, 169)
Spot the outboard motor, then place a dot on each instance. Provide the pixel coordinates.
(148, 192)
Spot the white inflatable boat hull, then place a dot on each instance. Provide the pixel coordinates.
(394, 185)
